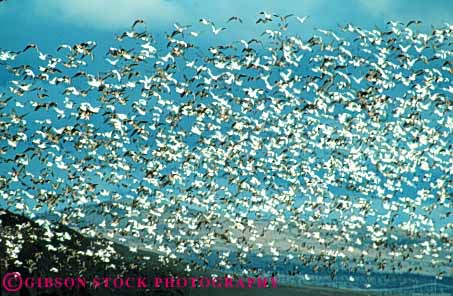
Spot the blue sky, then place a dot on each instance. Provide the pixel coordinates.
(52, 22)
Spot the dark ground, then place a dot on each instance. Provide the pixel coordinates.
(71, 260)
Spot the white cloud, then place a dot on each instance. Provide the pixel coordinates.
(405, 11)
(110, 14)
(114, 14)
(378, 7)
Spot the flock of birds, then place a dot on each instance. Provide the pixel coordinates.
(327, 153)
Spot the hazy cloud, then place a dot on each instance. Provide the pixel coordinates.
(110, 14)
(114, 14)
